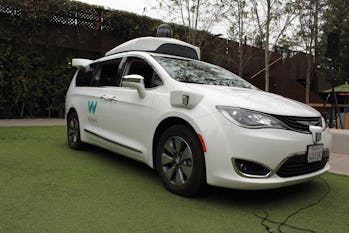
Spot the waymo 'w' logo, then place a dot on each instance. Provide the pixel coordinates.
(92, 106)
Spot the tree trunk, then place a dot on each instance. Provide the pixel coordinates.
(316, 44)
(266, 64)
(196, 22)
(241, 57)
(307, 79)
(241, 32)
(187, 2)
(266, 47)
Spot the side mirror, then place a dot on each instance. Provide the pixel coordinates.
(134, 81)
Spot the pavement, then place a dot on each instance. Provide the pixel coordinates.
(339, 159)
(32, 122)
(340, 141)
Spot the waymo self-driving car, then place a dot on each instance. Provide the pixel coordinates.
(153, 100)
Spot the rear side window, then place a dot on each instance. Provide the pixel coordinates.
(106, 74)
(84, 77)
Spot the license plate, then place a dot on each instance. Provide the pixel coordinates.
(314, 153)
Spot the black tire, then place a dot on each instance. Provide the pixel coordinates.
(181, 173)
(73, 131)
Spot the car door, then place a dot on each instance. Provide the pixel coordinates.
(124, 114)
(85, 99)
(97, 102)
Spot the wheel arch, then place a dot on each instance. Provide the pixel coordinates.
(71, 109)
(162, 126)
(77, 143)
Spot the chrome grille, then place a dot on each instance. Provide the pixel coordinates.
(300, 124)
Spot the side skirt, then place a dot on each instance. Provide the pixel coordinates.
(114, 142)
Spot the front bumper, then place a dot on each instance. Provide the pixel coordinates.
(226, 141)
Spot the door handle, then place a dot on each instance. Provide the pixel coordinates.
(104, 97)
(108, 98)
(114, 98)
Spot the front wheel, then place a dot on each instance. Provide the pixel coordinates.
(180, 161)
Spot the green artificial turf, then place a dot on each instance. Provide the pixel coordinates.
(47, 187)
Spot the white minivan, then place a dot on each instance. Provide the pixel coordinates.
(153, 100)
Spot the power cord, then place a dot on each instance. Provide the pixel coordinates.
(264, 215)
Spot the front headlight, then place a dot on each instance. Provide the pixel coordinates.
(324, 124)
(250, 119)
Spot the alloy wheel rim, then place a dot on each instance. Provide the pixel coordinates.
(177, 160)
(73, 130)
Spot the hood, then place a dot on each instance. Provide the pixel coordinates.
(252, 99)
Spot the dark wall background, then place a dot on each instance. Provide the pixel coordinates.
(39, 38)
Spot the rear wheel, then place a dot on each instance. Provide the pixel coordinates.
(73, 131)
(180, 161)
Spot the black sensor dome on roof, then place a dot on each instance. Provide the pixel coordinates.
(161, 45)
(164, 30)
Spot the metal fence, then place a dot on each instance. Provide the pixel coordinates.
(83, 30)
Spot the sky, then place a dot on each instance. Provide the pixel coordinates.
(138, 6)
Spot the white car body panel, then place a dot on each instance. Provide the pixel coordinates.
(126, 124)
(80, 62)
(128, 109)
(257, 100)
(149, 44)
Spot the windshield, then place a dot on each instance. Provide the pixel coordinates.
(193, 71)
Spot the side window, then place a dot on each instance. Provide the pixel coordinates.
(156, 80)
(84, 77)
(106, 74)
(140, 67)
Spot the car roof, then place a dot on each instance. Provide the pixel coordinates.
(142, 54)
(161, 45)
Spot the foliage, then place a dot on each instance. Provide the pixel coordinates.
(129, 26)
(336, 19)
(34, 72)
(237, 16)
(271, 23)
(32, 80)
(307, 35)
(194, 15)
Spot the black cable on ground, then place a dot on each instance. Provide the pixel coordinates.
(264, 215)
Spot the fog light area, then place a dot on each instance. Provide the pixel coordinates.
(249, 168)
